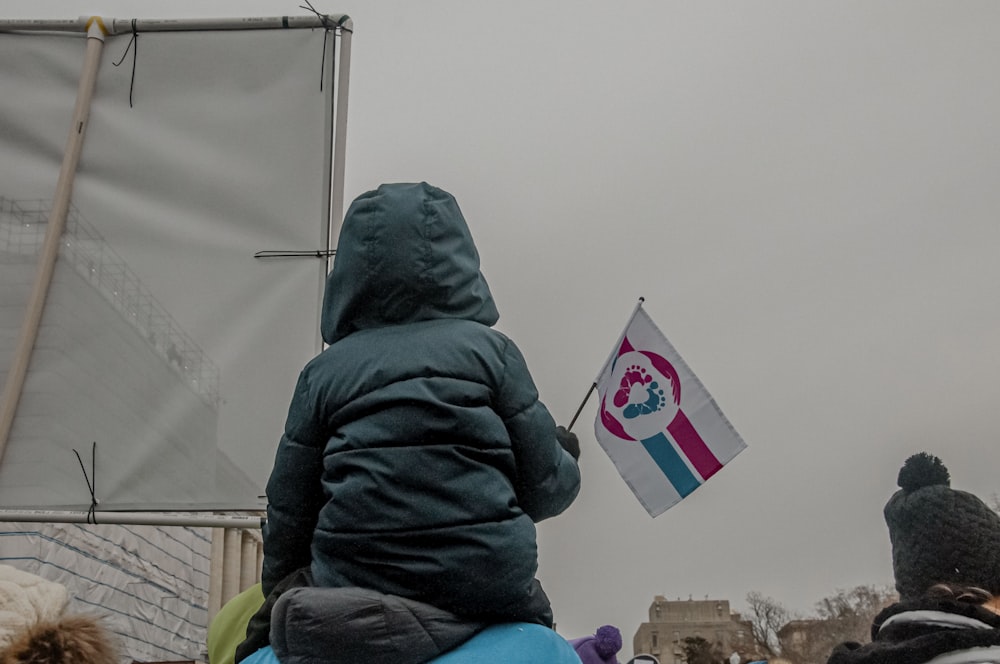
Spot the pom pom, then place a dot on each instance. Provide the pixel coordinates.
(609, 641)
(922, 470)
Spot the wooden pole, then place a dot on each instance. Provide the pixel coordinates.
(248, 558)
(233, 550)
(96, 33)
(215, 573)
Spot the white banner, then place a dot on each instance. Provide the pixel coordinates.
(163, 339)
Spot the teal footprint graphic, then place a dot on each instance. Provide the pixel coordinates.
(655, 400)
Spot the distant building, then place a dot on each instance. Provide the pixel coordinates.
(798, 636)
(670, 622)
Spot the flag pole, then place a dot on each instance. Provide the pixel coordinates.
(583, 403)
(593, 386)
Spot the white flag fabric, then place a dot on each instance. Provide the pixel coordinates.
(657, 422)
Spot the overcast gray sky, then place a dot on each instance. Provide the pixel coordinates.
(804, 192)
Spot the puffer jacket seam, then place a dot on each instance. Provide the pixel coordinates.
(426, 250)
(503, 380)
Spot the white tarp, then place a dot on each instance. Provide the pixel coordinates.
(163, 339)
(148, 584)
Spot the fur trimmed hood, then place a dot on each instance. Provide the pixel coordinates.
(77, 639)
(35, 630)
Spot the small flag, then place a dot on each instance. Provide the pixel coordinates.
(656, 421)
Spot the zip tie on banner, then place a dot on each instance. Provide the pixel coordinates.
(91, 485)
(307, 253)
(134, 41)
(327, 27)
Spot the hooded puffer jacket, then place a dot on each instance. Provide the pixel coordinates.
(416, 455)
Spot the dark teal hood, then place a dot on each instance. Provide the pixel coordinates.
(405, 255)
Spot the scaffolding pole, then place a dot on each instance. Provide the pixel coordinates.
(96, 34)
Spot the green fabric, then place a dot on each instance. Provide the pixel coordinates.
(229, 626)
(416, 455)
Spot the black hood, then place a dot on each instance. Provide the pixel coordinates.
(405, 255)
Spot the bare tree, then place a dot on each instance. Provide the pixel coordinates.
(697, 650)
(844, 616)
(766, 617)
(849, 613)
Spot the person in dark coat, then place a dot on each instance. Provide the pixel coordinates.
(949, 624)
(416, 457)
(946, 563)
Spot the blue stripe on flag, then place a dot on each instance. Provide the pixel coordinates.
(670, 462)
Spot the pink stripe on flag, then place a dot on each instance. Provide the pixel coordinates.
(613, 425)
(694, 448)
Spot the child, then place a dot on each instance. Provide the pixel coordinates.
(416, 456)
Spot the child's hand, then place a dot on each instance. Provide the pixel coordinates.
(569, 441)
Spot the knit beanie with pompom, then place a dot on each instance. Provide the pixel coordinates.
(599, 648)
(940, 534)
